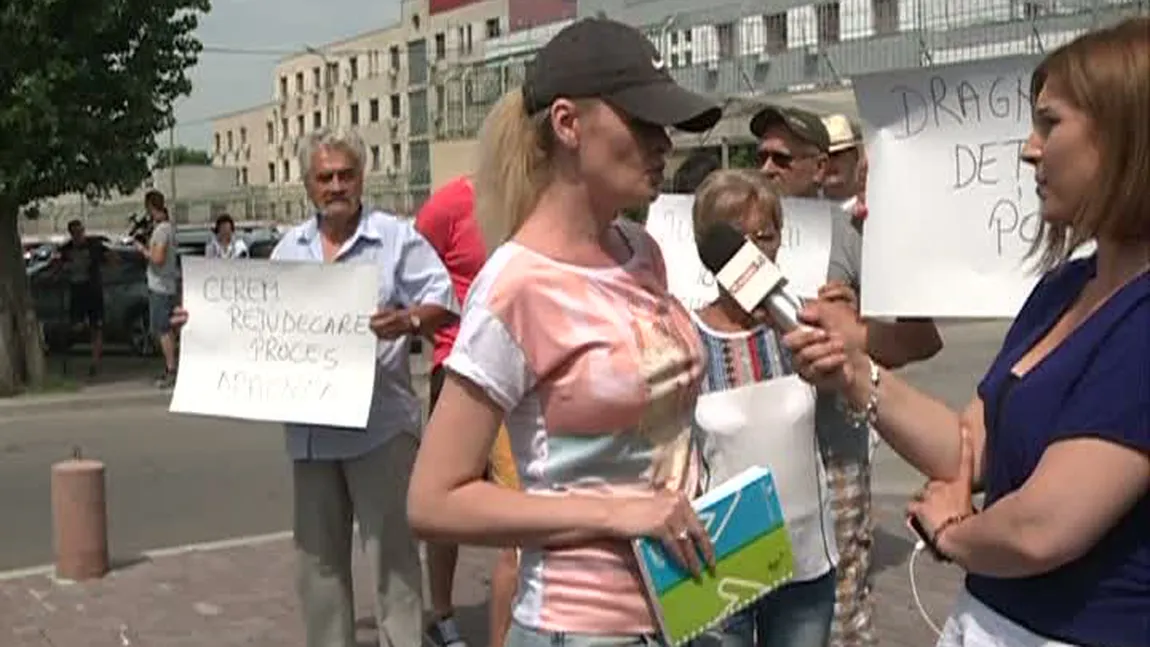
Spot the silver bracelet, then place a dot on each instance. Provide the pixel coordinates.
(869, 415)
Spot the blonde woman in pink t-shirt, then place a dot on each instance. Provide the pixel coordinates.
(572, 339)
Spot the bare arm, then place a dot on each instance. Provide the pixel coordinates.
(431, 318)
(1080, 489)
(895, 344)
(918, 427)
(449, 499)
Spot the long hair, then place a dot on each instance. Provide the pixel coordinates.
(514, 167)
(1106, 75)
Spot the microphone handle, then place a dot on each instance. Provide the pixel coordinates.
(784, 308)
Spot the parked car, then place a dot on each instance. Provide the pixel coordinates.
(125, 303)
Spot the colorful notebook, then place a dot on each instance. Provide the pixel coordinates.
(752, 558)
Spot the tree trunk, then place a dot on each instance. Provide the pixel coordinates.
(22, 364)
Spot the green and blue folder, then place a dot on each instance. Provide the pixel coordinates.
(753, 557)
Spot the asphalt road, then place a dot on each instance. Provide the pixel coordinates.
(174, 480)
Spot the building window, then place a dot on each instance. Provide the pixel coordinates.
(492, 28)
(217, 143)
(776, 28)
(271, 172)
(354, 114)
(230, 144)
(828, 22)
(243, 136)
(393, 54)
(396, 156)
(299, 82)
(315, 78)
(353, 68)
(465, 43)
(375, 158)
(244, 176)
(674, 59)
(1032, 9)
(299, 125)
(287, 170)
(885, 16)
(271, 126)
(396, 112)
(725, 38)
(283, 87)
(687, 58)
(284, 134)
(440, 46)
(332, 75)
(373, 110)
(316, 120)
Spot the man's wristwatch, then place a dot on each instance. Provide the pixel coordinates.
(414, 321)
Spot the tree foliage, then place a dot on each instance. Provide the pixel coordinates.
(85, 87)
(182, 156)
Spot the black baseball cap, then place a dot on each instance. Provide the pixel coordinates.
(805, 125)
(608, 60)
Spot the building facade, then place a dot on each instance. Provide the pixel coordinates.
(392, 84)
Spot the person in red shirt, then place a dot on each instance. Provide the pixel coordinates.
(447, 221)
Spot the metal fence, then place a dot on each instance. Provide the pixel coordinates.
(815, 47)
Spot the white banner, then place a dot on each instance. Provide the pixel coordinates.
(278, 341)
(953, 208)
(803, 256)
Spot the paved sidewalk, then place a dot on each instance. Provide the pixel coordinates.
(245, 596)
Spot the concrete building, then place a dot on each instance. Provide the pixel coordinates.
(392, 84)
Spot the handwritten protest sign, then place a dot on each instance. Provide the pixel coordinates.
(278, 341)
(953, 203)
(803, 256)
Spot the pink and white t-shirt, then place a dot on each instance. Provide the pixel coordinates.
(598, 370)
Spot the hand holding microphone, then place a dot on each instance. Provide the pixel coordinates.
(744, 272)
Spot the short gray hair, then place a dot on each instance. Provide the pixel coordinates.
(344, 139)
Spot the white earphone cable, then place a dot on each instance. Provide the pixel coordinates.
(918, 548)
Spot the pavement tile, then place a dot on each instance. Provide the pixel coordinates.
(245, 596)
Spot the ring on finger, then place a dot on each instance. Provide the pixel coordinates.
(683, 535)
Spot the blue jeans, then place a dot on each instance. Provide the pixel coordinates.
(796, 615)
(520, 636)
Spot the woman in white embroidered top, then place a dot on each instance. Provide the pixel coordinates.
(755, 410)
(224, 243)
(570, 336)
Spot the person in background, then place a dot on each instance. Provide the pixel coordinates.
(447, 221)
(845, 177)
(163, 277)
(571, 337)
(794, 149)
(82, 260)
(748, 367)
(224, 242)
(1057, 433)
(691, 173)
(345, 475)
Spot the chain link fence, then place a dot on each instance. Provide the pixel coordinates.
(816, 47)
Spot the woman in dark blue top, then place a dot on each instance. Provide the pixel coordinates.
(1058, 433)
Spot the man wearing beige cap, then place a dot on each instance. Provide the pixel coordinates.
(843, 177)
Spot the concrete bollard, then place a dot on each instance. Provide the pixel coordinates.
(79, 519)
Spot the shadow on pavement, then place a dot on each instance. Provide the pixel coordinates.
(472, 624)
(890, 550)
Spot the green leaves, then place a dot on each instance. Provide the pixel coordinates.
(85, 86)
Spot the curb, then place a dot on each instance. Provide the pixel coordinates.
(44, 404)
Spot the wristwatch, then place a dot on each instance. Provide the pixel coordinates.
(414, 321)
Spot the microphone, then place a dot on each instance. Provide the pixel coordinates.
(748, 275)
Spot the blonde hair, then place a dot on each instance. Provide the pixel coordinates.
(513, 169)
(1106, 75)
(728, 195)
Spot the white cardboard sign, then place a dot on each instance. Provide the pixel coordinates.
(953, 208)
(278, 341)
